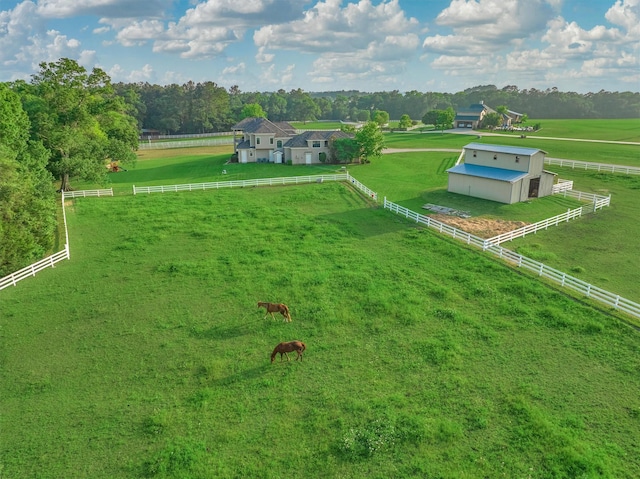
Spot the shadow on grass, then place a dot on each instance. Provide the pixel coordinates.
(249, 374)
(229, 331)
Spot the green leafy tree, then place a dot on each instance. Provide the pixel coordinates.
(344, 150)
(380, 117)
(370, 141)
(492, 120)
(27, 196)
(301, 106)
(405, 122)
(80, 119)
(252, 110)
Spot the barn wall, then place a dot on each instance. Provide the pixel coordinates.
(503, 160)
(485, 188)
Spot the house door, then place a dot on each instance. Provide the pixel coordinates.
(307, 158)
(243, 156)
(534, 186)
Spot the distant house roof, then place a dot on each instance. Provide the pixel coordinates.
(262, 125)
(500, 174)
(300, 141)
(512, 150)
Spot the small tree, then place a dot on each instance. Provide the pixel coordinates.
(344, 150)
(405, 122)
(370, 141)
(380, 117)
(252, 110)
(491, 120)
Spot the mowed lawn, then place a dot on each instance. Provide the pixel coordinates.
(145, 354)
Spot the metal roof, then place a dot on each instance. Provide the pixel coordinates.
(300, 141)
(512, 150)
(500, 174)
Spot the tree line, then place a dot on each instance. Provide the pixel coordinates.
(206, 107)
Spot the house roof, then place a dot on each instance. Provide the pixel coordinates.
(512, 150)
(499, 174)
(264, 126)
(300, 141)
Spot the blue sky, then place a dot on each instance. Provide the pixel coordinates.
(325, 45)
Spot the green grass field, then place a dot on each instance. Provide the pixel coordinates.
(605, 129)
(145, 356)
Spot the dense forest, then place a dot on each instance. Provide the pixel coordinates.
(69, 123)
(207, 107)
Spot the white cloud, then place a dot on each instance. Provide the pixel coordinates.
(357, 41)
(235, 69)
(491, 35)
(102, 8)
(25, 42)
(262, 57)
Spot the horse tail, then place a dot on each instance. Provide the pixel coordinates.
(286, 310)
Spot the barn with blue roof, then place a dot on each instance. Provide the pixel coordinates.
(507, 174)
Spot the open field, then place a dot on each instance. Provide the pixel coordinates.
(604, 129)
(145, 354)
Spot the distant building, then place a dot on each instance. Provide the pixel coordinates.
(472, 116)
(507, 174)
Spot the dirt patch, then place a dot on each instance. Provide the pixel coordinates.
(482, 227)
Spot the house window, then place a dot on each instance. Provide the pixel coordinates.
(316, 144)
(271, 141)
(326, 143)
(258, 141)
(279, 144)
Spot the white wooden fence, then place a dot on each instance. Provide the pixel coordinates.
(598, 202)
(587, 165)
(288, 180)
(49, 262)
(590, 291)
(561, 185)
(84, 193)
(162, 145)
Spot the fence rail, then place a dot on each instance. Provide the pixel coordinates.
(586, 165)
(561, 185)
(161, 145)
(287, 180)
(84, 193)
(590, 291)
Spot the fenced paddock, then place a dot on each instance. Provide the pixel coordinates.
(287, 180)
(590, 291)
(597, 202)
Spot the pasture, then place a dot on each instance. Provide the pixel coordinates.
(145, 354)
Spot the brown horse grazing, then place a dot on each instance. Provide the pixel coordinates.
(287, 347)
(276, 308)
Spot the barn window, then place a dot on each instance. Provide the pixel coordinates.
(495, 157)
(475, 153)
(517, 159)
